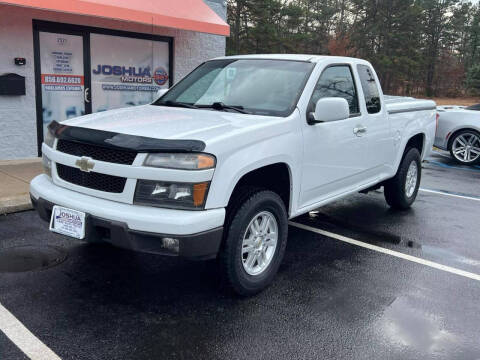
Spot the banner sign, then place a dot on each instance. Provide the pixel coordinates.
(126, 71)
(133, 75)
(54, 82)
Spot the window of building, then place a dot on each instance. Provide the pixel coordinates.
(126, 71)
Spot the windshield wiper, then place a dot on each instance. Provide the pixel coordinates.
(221, 106)
(178, 104)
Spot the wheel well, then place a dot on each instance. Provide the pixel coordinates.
(452, 136)
(416, 142)
(275, 177)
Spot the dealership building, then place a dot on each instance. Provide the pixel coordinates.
(64, 58)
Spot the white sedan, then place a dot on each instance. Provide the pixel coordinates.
(458, 131)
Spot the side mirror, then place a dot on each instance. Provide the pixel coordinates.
(329, 109)
(160, 93)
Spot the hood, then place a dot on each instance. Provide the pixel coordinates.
(162, 122)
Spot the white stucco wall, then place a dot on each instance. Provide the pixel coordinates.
(18, 126)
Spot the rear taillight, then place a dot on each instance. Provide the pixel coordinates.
(436, 119)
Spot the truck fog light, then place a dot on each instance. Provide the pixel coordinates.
(171, 244)
(47, 165)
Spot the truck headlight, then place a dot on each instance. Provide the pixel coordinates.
(171, 195)
(181, 161)
(49, 138)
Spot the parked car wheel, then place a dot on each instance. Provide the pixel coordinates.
(401, 191)
(465, 147)
(255, 242)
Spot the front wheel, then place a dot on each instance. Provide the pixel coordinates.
(256, 236)
(401, 191)
(465, 147)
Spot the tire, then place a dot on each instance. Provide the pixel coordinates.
(397, 194)
(242, 247)
(466, 156)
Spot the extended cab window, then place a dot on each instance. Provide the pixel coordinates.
(370, 89)
(336, 81)
(262, 87)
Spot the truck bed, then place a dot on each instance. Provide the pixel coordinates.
(408, 114)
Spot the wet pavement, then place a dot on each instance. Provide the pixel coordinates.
(330, 300)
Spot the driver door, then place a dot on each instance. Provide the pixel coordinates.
(335, 153)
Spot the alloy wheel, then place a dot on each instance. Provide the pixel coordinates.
(411, 180)
(259, 243)
(466, 147)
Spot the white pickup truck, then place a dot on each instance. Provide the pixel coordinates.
(218, 164)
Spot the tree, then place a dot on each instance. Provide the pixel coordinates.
(472, 48)
(418, 47)
(473, 79)
(387, 33)
(437, 15)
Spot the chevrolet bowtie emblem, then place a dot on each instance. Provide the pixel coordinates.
(85, 164)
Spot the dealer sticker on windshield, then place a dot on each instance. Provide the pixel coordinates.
(68, 222)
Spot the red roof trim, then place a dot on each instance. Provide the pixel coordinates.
(192, 15)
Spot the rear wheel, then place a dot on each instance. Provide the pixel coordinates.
(256, 236)
(465, 147)
(401, 191)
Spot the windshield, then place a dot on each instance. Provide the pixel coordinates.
(263, 87)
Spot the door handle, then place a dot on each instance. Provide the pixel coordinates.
(359, 130)
(87, 90)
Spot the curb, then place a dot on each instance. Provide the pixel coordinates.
(14, 204)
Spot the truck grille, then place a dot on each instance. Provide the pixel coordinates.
(91, 180)
(95, 152)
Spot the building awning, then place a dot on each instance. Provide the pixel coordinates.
(192, 15)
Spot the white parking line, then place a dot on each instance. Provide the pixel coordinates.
(388, 251)
(23, 338)
(449, 194)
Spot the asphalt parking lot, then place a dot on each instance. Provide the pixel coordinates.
(333, 298)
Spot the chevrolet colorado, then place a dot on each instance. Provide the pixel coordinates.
(218, 164)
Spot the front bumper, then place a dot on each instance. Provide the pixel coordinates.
(140, 228)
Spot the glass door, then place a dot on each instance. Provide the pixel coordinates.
(64, 90)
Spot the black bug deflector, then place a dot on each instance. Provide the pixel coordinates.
(113, 140)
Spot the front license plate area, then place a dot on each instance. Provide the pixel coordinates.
(68, 222)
